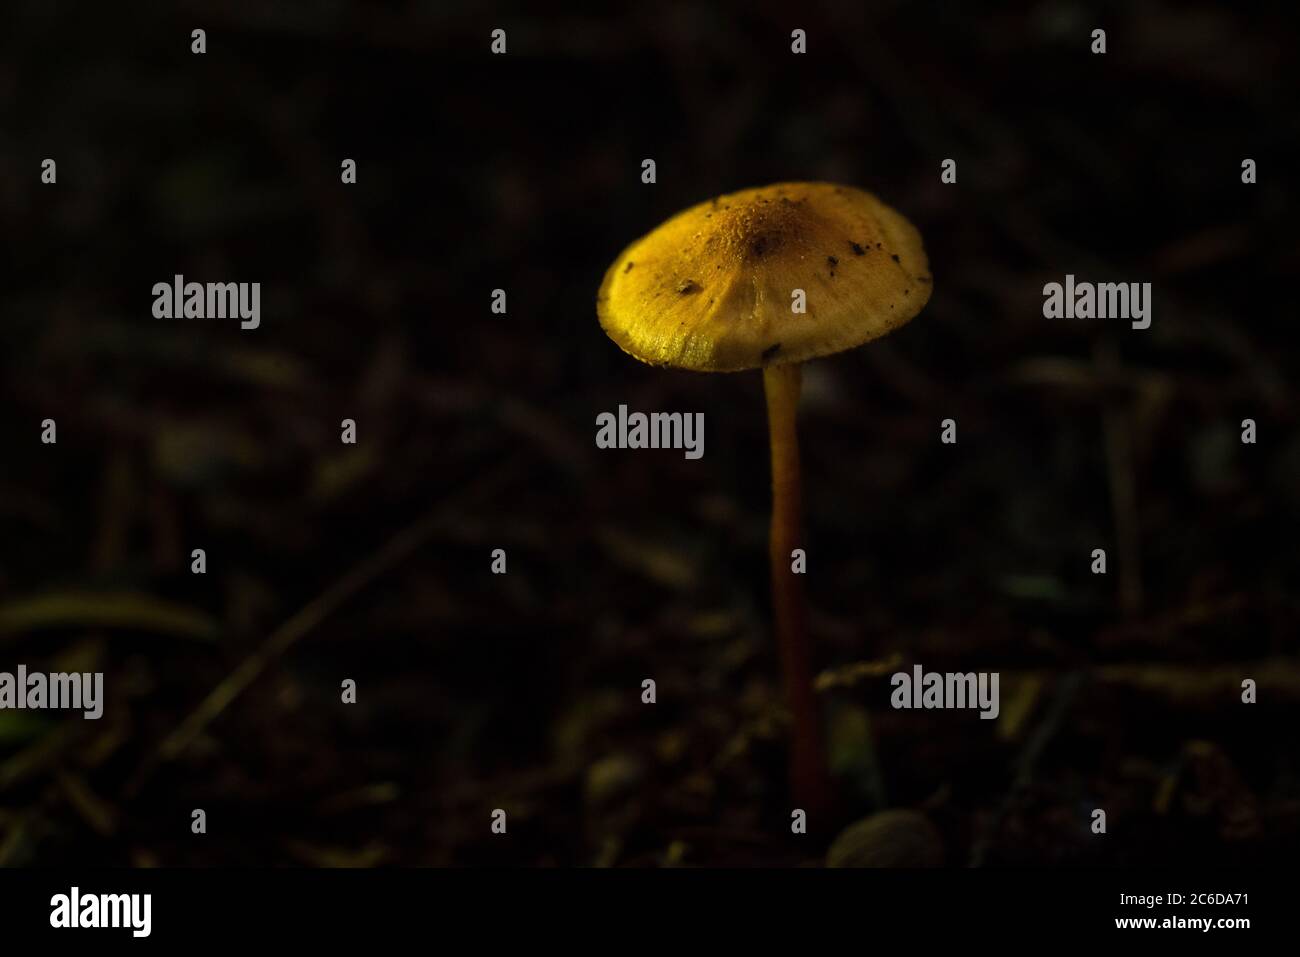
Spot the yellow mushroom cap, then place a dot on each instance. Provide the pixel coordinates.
(713, 288)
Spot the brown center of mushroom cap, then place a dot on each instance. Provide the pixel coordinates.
(761, 228)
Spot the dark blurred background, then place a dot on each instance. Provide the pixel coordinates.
(476, 431)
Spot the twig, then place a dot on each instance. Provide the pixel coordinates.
(398, 548)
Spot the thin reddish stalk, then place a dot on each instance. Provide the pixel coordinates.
(808, 776)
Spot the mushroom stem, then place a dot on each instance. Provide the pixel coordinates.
(808, 776)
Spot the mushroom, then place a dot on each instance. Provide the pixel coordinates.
(717, 288)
